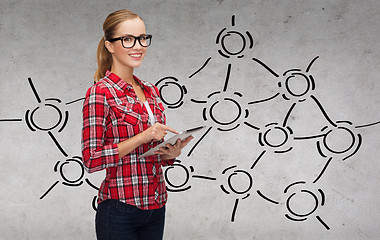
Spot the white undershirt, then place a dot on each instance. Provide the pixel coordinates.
(151, 116)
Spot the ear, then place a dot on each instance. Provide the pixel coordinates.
(109, 46)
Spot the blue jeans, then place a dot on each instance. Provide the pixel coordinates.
(116, 220)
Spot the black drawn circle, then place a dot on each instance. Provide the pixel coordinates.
(62, 172)
(177, 185)
(225, 123)
(46, 129)
(341, 150)
(304, 214)
(178, 88)
(272, 143)
(229, 34)
(293, 91)
(235, 173)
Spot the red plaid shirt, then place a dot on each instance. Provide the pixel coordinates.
(112, 113)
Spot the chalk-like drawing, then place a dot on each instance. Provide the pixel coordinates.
(57, 116)
(235, 186)
(228, 40)
(171, 85)
(51, 116)
(337, 140)
(68, 178)
(232, 43)
(183, 184)
(301, 203)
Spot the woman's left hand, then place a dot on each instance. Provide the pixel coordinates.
(173, 151)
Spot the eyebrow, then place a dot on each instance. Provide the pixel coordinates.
(134, 35)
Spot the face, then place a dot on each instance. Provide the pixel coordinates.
(127, 57)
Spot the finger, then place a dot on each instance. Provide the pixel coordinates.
(160, 135)
(158, 153)
(163, 151)
(167, 128)
(170, 147)
(178, 143)
(186, 141)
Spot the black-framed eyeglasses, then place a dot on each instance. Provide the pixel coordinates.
(129, 41)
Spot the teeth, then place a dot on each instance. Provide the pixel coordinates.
(135, 55)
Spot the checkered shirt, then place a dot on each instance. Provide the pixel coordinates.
(111, 114)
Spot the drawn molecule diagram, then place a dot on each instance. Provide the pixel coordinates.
(167, 84)
(228, 42)
(311, 201)
(339, 140)
(49, 115)
(183, 184)
(239, 183)
(36, 119)
(72, 173)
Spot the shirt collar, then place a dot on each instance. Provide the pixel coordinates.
(120, 83)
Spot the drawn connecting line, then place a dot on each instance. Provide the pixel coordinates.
(232, 44)
(274, 138)
(218, 101)
(339, 139)
(239, 182)
(294, 85)
(177, 170)
(177, 177)
(37, 119)
(228, 40)
(47, 116)
(66, 169)
(300, 203)
(216, 104)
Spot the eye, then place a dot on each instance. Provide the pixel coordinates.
(128, 39)
(143, 38)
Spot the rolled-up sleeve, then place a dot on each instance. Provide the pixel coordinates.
(97, 154)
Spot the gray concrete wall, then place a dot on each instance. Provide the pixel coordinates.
(288, 90)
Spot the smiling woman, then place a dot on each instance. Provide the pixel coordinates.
(123, 117)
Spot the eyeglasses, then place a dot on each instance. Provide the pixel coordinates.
(129, 41)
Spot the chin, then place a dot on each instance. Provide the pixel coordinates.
(135, 65)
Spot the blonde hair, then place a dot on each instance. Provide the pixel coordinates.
(103, 56)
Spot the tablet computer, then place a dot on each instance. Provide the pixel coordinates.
(181, 135)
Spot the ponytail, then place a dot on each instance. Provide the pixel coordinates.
(104, 60)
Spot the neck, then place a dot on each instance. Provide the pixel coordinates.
(125, 73)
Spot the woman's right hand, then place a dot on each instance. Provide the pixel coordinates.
(156, 132)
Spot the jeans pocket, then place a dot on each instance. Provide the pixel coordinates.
(123, 208)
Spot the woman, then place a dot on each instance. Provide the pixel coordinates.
(123, 118)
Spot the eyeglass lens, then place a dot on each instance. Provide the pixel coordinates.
(130, 41)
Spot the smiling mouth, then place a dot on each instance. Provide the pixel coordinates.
(136, 55)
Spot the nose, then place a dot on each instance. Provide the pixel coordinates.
(137, 45)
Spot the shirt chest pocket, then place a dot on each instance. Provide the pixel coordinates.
(128, 113)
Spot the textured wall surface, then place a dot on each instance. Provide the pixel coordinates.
(288, 92)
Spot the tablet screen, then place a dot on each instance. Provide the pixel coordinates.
(182, 135)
